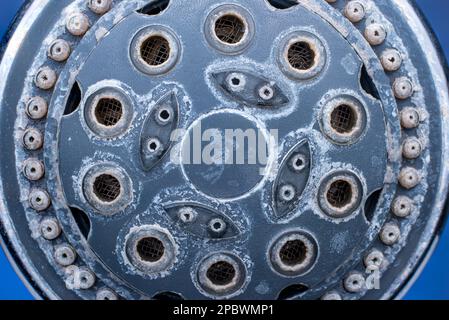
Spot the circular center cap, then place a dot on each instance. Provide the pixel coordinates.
(224, 154)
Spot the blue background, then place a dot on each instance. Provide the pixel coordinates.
(433, 282)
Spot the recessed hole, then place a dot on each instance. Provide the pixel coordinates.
(155, 7)
(74, 100)
(371, 204)
(150, 249)
(155, 51)
(221, 273)
(107, 188)
(165, 115)
(293, 253)
(282, 4)
(230, 29)
(168, 296)
(339, 194)
(292, 291)
(344, 119)
(367, 84)
(82, 221)
(235, 81)
(301, 56)
(108, 111)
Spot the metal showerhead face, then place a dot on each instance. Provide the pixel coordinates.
(222, 150)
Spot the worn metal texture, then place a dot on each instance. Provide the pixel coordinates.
(103, 195)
